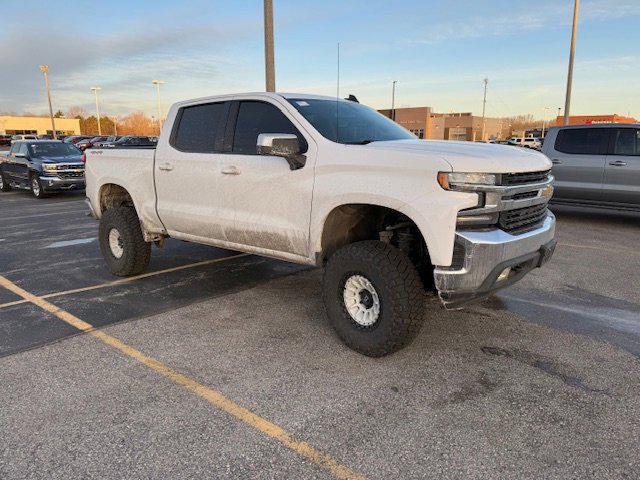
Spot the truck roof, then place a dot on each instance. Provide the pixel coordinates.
(258, 95)
(597, 125)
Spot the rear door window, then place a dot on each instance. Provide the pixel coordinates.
(627, 142)
(255, 118)
(200, 128)
(583, 141)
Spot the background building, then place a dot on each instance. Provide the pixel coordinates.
(422, 122)
(590, 119)
(414, 119)
(13, 125)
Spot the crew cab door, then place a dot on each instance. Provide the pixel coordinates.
(622, 169)
(187, 172)
(263, 203)
(21, 164)
(578, 158)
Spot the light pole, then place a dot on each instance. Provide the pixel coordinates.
(157, 83)
(544, 115)
(393, 100)
(45, 69)
(95, 92)
(572, 51)
(269, 62)
(484, 106)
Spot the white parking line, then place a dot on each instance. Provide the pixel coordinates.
(68, 243)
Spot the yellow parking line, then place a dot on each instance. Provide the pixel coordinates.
(212, 396)
(127, 280)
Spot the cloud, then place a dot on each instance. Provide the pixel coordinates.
(126, 57)
(528, 20)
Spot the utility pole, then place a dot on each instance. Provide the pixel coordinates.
(484, 106)
(567, 102)
(157, 83)
(95, 92)
(393, 101)
(45, 69)
(269, 65)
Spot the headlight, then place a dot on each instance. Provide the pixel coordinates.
(47, 167)
(449, 181)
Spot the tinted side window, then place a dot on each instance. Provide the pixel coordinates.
(255, 118)
(585, 141)
(23, 148)
(199, 127)
(627, 141)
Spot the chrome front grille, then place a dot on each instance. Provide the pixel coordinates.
(71, 174)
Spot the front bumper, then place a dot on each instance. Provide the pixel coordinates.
(485, 255)
(57, 183)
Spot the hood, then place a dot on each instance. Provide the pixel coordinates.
(61, 159)
(472, 156)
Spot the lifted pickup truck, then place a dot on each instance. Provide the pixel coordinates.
(332, 183)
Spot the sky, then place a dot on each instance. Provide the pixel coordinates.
(438, 51)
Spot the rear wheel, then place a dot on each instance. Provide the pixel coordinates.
(4, 185)
(122, 243)
(374, 297)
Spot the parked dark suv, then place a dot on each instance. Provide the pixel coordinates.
(42, 166)
(597, 165)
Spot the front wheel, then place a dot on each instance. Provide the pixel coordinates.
(122, 243)
(36, 187)
(374, 298)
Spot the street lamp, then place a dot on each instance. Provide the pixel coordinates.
(45, 69)
(544, 115)
(572, 52)
(95, 92)
(157, 83)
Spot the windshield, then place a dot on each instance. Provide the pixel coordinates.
(349, 122)
(53, 150)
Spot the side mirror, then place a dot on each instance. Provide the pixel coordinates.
(284, 145)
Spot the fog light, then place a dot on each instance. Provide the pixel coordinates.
(504, 275)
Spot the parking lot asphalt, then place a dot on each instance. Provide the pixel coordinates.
(223, 365)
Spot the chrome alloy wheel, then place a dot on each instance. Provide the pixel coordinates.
(115, 243)
(361, 300)
(35, 186)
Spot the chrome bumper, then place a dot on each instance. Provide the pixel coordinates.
(57, 183)
(487, 254)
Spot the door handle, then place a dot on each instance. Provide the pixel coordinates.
(555, 161)
(232, 170)
(167, 167)
(618, 163)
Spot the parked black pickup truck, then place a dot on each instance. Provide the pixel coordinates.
(42, 166)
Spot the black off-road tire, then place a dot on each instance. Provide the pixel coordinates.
(135, 253)
(4, 184)
(402, 299)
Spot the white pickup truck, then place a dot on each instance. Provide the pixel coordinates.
(326, 182)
